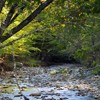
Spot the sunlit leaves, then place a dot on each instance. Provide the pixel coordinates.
(77, 33)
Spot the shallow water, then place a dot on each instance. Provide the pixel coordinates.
(49, 84)
(46, 93)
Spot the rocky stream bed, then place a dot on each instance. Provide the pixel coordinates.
(56, 82)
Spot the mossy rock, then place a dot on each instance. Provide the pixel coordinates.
(53, 72)
(96, 70)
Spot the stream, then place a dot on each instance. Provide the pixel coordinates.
(56, 82)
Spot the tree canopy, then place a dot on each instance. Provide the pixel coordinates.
(50, 29)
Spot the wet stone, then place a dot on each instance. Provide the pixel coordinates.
(63, 98)
(35, 94)
(6, 98)
(1, 79)
(80, 93)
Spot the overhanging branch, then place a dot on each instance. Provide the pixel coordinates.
(6, 23)
(33, 31)
(26, 21)
(17, 14)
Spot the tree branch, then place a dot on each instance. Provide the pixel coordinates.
(10, 14)
(34, 31)
(6, 23)
(2, 3)
(16, 15)
(27, 20)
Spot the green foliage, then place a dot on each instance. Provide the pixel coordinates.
(89, 6)
(96, 70)
(76, 35)
(64, 71)
(13, 1)
(96, 6)
(31, 62)
(21, 1)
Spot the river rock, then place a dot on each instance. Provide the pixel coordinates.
(35, 94)
(97, 97)
(52, 72)
(1, 79)
(6, 98)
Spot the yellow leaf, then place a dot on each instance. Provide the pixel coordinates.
(63, 25)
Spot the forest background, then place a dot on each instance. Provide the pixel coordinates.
(44, 32)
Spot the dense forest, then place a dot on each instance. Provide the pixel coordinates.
(50, 31)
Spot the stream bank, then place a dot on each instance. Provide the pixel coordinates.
(56, 82)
